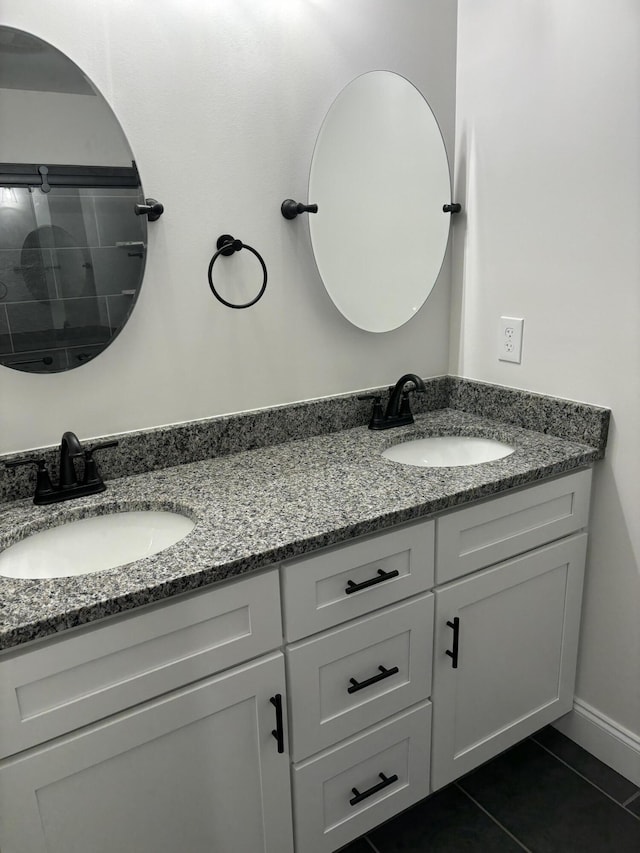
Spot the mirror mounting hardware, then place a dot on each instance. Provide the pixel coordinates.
(228, 245)
(290, 208)
(398, 411)
(454, 207)
(69, 486)
(44, 171)
(153, 210)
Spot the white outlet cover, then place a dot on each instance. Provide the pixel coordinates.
(510, 339)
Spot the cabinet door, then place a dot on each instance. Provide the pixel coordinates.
(517, 630)
(197, 770)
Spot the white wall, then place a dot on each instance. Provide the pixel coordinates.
(548, 128)
(221, 101)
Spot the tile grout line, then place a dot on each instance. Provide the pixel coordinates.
(631, 799)
(593, 785)
(492, 818)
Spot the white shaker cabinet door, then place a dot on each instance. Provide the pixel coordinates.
(504, 655)
(198, 771)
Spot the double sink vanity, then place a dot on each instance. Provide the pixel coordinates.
(337, 635)
(275, 630)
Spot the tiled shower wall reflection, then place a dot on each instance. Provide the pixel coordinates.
(71, 264)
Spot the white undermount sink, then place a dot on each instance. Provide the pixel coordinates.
(448, 451)
(93, 544)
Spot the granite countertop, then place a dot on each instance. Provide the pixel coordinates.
(259, 507)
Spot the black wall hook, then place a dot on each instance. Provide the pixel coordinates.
(228, 245)
(454, 207)
(152, 209)
(290, 208)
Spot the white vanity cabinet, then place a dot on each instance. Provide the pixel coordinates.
(172, 728)
(196, 768)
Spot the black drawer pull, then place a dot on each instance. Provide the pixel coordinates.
(384, 673)
(381, 576)
(456, 638)
(359, 797)
(278, 732)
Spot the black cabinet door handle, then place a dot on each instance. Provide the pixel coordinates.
(278, 732)
(359, 797)
(453, 654)
(379, 578)
(384, 673)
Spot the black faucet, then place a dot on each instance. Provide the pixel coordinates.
(68, 485)
(70, 449)
(398, 411)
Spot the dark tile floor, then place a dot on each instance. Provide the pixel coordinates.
(545, 795)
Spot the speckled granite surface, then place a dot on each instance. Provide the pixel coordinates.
(550, 415)
(163, 447)
(265, 505)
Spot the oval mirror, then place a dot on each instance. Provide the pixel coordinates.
(72, 250)
(380, 177)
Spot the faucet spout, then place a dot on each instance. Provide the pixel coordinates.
(70, 448)
(396, 396)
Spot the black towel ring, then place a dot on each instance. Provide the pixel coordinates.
(227, 245)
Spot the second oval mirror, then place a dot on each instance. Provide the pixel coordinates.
(380, 178)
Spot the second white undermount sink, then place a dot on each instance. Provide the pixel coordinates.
(94, 544)
(448, 451)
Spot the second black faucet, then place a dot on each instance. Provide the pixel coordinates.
(398, 411)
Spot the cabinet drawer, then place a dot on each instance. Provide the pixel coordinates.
(500, 528)
(53, 688)
(350, 580)
(359, 674)
(348, 790)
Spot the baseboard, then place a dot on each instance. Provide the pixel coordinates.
(603, 737)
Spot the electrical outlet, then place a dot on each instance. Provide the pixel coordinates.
(510, 339)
